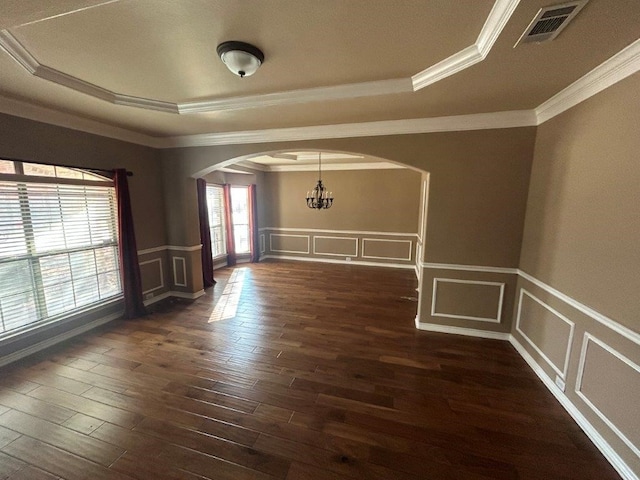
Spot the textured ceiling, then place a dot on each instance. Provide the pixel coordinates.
(165, 50)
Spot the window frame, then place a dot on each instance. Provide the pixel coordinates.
(223, 228)
(248, 224)
(34, 257)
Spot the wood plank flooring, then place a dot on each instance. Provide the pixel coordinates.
(286, 370)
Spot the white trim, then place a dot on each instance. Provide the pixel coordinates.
(178, 248)
(346, 232)
(469, 282)
(146, 251)
(159, 260)
(341, 262)
(175, 269)
(306, 95)
(263, 243)
(315, 252)
(583, 357)
(12, 357)
(470, 268)
(287, 235)
(470, 332)
(606, 321)
(497, 19)
(187, 295)
(560, 371)
(22, 109)
(388, 241)
(598, 440)
(620, 66)
(456, 123)
(333, 167)
(160, 248)
(157, 298)
(616, 68)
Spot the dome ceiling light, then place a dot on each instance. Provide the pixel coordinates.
(243, 59)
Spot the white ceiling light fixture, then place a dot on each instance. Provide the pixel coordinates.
(243, 59)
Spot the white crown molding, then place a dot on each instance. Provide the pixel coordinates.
(334, 167)
(616, 68)
(497, 19)
(50, 116)
(479, 121)
(319, 94)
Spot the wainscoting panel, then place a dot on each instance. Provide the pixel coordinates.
(152, 275)
(475, 300)
(590, 362)
(456, 298)
(387, 249)
(335, 246)
(546, 330)
(390, 249)
(179, 271)
(609, 383)
(289, 243)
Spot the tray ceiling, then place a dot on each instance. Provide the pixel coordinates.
(327, 62)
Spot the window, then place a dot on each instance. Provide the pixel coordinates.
(58, 243)
(215, 207)
(240, 218)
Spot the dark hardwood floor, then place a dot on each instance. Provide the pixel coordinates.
(286, 371)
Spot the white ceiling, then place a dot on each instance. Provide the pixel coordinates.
(149, 67)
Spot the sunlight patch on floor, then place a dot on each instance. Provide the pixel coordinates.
(227, 305)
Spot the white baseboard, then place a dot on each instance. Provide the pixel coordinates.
(49, 342)
(162, 296)
(609, 453)
(341, 262)
(470, 332)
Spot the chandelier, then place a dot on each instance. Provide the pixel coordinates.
(319, 198)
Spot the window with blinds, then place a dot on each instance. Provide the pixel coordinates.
(215, 207)
(240, 218)
(58, 243)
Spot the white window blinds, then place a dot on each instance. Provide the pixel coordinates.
(215, 208)
(58, 247)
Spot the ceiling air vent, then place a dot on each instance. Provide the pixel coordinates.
(550, 21)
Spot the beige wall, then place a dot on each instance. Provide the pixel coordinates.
(582, 231)
(582, 238)
(478, 190)
(369, 200)
(28, 140)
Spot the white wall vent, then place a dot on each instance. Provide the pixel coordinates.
(550, 21)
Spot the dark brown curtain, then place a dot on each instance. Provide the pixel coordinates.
(128, 252)
(253, 224)
(228, 223)
(205, 234)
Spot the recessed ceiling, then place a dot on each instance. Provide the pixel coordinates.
(164, 50)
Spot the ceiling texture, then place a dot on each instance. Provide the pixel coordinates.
(150, 68)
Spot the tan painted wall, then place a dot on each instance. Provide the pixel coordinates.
(28, 140)
(582, 231)
(478, 190)
(369, 200)
(582, 237)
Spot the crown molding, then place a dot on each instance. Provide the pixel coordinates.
(319, 94)
(624, 63)
(497, 19)
(22, 109)
(334, 167)
(620, 66)
(480, 121)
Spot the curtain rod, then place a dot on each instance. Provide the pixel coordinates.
(112, 170)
